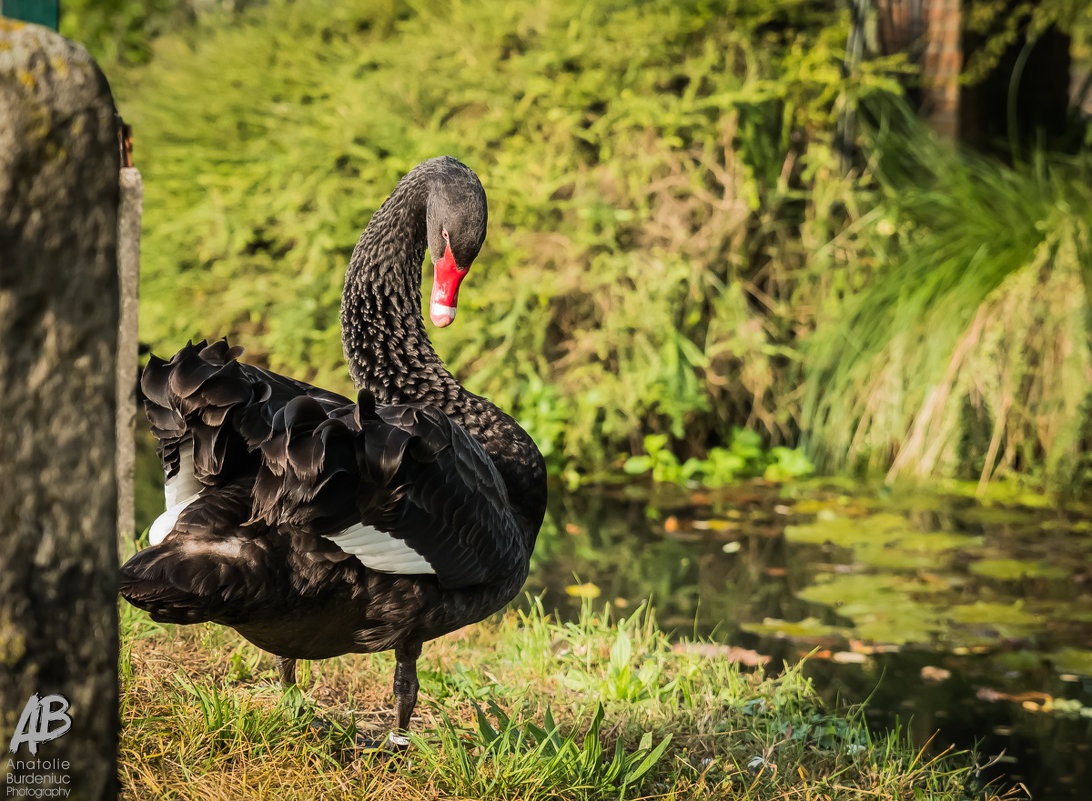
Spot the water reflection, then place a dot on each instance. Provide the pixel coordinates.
(971, 620)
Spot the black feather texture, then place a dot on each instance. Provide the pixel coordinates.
(451, 488)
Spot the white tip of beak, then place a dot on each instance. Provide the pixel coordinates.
(442, 315)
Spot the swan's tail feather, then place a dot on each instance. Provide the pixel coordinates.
(187, 581)
(154, 581)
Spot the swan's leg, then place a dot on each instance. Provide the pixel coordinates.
(287, 668)
(405, 690)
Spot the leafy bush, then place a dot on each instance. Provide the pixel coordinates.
(675, 248)
(743, 458)
(122, 31)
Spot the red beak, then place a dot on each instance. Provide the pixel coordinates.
(445, 290)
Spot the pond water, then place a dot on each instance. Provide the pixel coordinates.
(966, 621)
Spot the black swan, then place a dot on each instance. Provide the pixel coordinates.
(315, 526)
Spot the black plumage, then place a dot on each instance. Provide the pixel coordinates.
(318, 526)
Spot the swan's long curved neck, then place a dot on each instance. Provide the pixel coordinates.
(382, 330)
(389, 352)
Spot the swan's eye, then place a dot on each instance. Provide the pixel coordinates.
(445, 233)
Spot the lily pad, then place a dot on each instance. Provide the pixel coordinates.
(883, 608)
(884, 540)
(1007, 619)
(1072, 660)
(807, 629)
(1016, 569)
(847, 532)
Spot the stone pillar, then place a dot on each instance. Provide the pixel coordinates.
(58, 349)
(129, 214)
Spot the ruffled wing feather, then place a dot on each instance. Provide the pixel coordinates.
(402, 488)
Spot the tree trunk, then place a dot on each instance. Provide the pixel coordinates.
(58, 490)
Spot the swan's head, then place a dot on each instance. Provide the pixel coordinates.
(456, 220)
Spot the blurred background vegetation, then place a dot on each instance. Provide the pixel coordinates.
(707, 218)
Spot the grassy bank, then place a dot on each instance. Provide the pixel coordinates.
(522, 707)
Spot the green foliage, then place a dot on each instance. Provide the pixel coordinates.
(622, 680)
(744, 457)
(623, 182)
(515, 758)
(226, 721)
(122, 31)
(116, 30)
(1001, 24)
(674, 249)
(966, 329)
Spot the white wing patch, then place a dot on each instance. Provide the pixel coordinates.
(380, 551)
(184, 486)
(179, 492)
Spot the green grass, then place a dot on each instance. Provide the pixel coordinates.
(520, 707)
